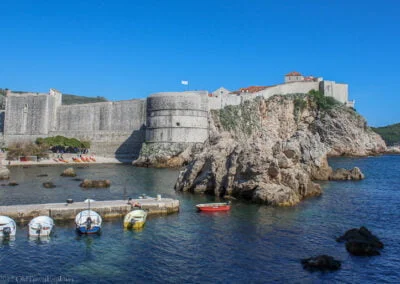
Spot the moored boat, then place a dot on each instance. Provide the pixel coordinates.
(41, 226)
(135, 219)
(88, 222)
(214, 207)
(7, 227)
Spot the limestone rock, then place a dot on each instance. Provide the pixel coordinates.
(343, 174)
(361, 242)
(321, 262)
(266, 152)
(49, 184)
(87, 183)
(393, 150)
(166, 155)
(69, 172)
(4, 173)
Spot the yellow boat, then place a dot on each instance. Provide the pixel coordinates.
(135, 219)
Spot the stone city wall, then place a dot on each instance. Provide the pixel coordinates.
(27, 114)
(120, 128)
(114, 128)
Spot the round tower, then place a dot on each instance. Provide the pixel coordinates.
(177, 117)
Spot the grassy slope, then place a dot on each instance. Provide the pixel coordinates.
(390, 133)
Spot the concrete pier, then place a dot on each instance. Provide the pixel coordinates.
(107, 209)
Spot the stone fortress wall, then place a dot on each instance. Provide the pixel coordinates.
(120, 128)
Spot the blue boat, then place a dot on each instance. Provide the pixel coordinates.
(88, 222)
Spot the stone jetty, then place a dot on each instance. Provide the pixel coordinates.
(107, 209)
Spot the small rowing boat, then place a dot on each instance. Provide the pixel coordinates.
(41, 226)
(135, 219)
(214, 207)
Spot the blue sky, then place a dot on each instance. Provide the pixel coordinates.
(130, 49)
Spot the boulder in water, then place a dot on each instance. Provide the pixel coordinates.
(42, 175)
(321, 262)
(343, 174)
(4, 173)
(87, 183)
(49, 184)
(69, 172)
(13, 183)
(361, 242)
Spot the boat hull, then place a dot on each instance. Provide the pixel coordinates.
(88, 222)
(213, 207)
(41, 226)
(135, 219)
(8, 227)
(92, 230)
(136, 225)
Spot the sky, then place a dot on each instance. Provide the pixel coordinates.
(130, 49)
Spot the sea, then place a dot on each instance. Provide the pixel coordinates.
(249, 244)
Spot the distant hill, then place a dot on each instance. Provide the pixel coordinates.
(3, 93)
(390, 133)
(73, 99)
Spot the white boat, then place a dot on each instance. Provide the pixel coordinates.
(88, 222)
(41, 226)
(135, 219)
(7, 227)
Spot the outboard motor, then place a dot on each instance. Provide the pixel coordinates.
(6, 231)
(38, 230)
(88, 223)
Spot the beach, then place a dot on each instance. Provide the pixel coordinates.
(66, 161)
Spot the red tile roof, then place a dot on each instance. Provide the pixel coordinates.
(294, 73)
(252, 89)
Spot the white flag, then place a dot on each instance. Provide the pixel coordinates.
(185, 82)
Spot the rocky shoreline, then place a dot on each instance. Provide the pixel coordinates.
(271, 151)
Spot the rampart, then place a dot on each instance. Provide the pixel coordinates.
(166, 122)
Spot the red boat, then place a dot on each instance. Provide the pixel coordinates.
(214, 207)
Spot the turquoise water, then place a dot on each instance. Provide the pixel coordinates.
(251, 243)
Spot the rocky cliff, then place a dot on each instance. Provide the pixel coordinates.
(269, 151)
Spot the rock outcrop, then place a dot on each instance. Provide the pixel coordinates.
(343, 174)
(4, 173)
(49, 184)
(87, 183)
(269, 151)
(321, 263)
(69, 172)
(170, 155)
(361, 242)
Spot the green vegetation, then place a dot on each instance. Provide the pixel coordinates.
(323, 102)
(62, 141)
(241, 119)
(299, 105)
(390, 133)
(17, 150)
(73, 99)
